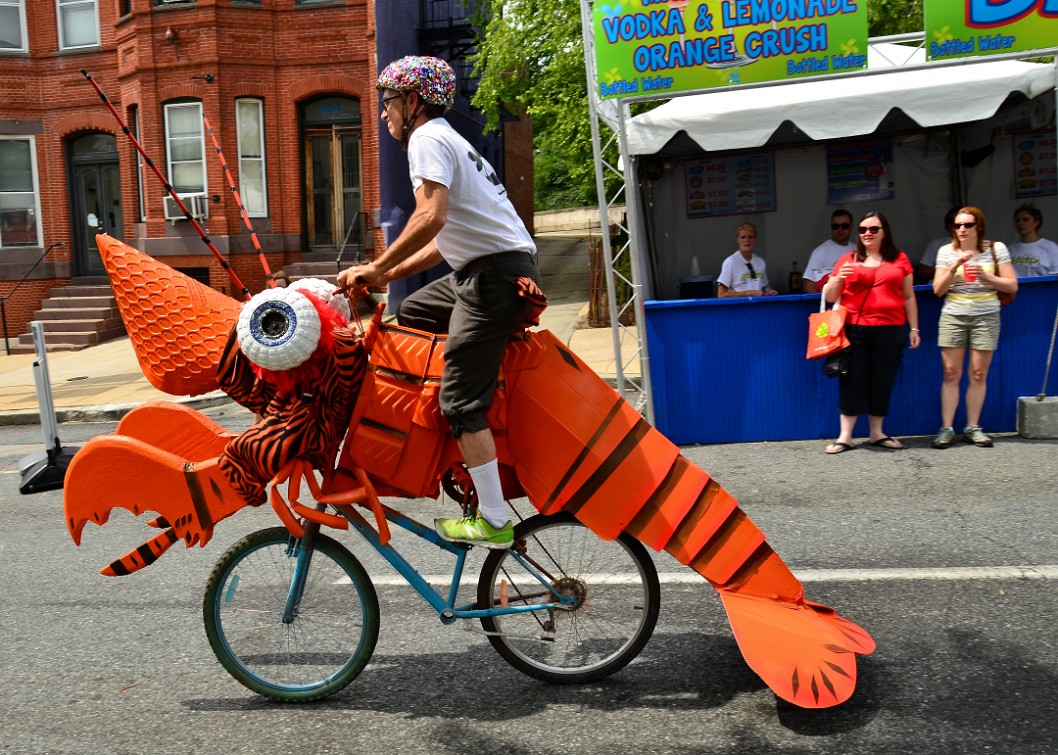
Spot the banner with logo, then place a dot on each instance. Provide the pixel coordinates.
(966, 28)
(657, 47)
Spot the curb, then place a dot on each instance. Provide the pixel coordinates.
(105, 412)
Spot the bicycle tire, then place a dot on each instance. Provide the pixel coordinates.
(331, 637)
(619, 598)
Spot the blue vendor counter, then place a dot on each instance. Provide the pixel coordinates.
(734, 370)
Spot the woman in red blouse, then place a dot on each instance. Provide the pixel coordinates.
(874, 283)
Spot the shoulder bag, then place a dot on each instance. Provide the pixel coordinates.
(1004, 297)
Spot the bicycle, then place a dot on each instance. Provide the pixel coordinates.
(296, 619)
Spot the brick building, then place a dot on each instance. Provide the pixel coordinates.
(288, 89)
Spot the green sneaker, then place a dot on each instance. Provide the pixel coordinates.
(475, 530)
(974, 434)
(944, 438)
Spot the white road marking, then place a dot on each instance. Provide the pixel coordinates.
(948, 574)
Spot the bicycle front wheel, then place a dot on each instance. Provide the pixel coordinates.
(290, 648)
(616, 595)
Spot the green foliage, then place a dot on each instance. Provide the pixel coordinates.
(886, 17)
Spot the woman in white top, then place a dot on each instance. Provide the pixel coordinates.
(1032, 255)
(743, 273)
(969, 272)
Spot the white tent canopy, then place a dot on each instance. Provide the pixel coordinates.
(841, 108)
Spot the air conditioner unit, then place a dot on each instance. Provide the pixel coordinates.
(197, 204)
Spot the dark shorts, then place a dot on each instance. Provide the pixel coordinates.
(479, 308)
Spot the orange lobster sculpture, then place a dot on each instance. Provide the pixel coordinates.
(566, 440)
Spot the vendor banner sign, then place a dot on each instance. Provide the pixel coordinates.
(657, 47)
(966, 28)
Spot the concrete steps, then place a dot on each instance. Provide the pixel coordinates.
(75, 317)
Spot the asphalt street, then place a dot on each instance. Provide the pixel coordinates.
(947, 557)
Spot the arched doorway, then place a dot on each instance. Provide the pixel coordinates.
(95, 199)
(335, 223)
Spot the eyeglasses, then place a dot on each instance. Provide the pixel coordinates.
(840, 226)
(865, 229)
(387, 100)
(964, 225)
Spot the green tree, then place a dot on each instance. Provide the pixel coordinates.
(894, 17)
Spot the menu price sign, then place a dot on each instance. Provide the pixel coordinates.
(1035, 171)
(860, 172)
(732, 185)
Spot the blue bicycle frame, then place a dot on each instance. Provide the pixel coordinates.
(446, 609)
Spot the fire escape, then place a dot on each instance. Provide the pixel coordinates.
(446, 31)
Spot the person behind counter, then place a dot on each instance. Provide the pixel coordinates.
(826, 255)
(743, 273)
(927, 263)
(968, 277)
(875, 285)
(1032, 255)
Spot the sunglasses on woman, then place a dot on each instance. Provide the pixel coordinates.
(964, 225)
(865, 229)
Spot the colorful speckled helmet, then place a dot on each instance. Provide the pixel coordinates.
(432, 78)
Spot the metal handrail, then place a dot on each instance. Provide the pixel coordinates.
(358, 225)
(3, 301)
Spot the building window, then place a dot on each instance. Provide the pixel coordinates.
(18, 192)
(124, 8)
(185, 147)
(253, 186)
(78, 24)
(12, 26)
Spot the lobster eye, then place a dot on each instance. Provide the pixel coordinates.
(274, 323)
(278, 329)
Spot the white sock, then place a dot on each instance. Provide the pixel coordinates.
(487, 483)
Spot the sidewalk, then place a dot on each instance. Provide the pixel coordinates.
(102, 383)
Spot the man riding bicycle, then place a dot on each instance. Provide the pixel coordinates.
(463, 216)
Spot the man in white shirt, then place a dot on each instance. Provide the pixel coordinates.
(825, 256)
(927, 263)
(463, 216)
(1032, 255)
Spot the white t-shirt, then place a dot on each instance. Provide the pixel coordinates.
(481, 219)
(736, 274)
(821, 263)
(971, 298)
(929, 256)
(1036, 258)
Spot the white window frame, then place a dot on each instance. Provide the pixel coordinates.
(61, 6)
(169, 108)
(36, 191)
(262, 211)
(20, 6)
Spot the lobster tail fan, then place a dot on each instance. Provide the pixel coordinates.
(178, 326)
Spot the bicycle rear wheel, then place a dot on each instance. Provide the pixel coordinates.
(325, 640)
(617, 597)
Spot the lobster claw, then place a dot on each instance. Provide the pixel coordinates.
(191, 497)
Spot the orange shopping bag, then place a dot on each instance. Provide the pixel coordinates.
(826, 330)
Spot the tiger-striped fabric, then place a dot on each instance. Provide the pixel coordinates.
(297, 424)
(527, 289)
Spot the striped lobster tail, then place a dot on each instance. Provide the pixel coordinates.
(612, 470)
